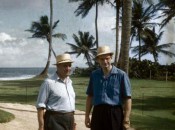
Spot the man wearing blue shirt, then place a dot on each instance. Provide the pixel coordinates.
(109, 93)
(57, 98)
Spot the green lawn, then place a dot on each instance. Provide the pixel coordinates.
(5, 116)
(153, 101)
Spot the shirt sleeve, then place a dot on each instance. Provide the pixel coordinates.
(126, 86)
(43, 95)
(90, 86)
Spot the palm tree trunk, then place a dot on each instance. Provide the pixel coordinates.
(89, 61)
(49, 39)
(139, 48)
(45, 71)
(52, 50)
(117, 33)
(155, 58)
(126, 30)
(51, 19)
(96, 24)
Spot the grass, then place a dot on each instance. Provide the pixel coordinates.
(153, 101)
(5, 116)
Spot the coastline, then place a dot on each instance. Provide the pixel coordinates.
(8, 74)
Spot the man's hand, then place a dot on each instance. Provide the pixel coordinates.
(126, 123)
(41, 128)
(87, 122)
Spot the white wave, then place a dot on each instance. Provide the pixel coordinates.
(17, 78)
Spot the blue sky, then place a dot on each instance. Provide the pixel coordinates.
(16, 50)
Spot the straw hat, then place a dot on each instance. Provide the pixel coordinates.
(103, 50)
(64, 58)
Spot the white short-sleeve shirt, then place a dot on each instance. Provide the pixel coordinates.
(56, 95)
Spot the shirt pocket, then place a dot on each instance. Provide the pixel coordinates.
(98, 87)
(114, 87)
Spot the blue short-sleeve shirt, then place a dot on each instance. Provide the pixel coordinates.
(109, 90)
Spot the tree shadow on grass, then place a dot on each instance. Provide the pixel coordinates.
(152, 103)
(141, 122)
(15, 98)
(35, 82)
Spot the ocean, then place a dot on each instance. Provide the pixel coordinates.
(21, 73)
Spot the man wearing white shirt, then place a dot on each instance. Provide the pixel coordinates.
(56, 99)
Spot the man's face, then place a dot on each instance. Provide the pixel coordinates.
(104, 60)
(64, 69)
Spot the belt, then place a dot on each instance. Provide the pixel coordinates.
(59, 113)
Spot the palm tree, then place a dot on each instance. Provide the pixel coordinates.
(126, 30)
(167, 8)
(141, 20)
(84, 44)
(152, 46)
(51, 19)
(84, 8)
(118, 6)
(41, 29)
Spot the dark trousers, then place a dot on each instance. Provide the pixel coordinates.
(55, 121)
(106, 117)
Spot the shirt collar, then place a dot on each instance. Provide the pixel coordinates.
(114, 70)
(56, 77)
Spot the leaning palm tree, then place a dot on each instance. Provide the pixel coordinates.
(84, 8)
(118, 7)
(41, 29)
(152, 45)
(84, 44)
(141, 19)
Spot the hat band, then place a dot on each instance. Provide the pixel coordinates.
(67, 60)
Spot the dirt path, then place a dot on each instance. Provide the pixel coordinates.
(26, 117)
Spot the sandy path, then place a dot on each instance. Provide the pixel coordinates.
(26, 118)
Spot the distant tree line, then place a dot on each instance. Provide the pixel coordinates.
(147, 69)
(144, 69)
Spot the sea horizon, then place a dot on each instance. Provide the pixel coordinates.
(20, 73)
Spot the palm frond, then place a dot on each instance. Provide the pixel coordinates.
(55, 24)
(76, 39)
(164, 46)
(60, 35)
(84, 8)
(72, 52)
(73, 47)
(168, 53)
(38, 35)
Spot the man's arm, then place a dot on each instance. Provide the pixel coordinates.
(127, 111)
(88, 110)
(40, 112)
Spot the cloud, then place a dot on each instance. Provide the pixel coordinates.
(18, 4)
(23, 52)
(106, 24)
(6, 37)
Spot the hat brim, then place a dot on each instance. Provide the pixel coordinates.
(104, 54)
(66, 61)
